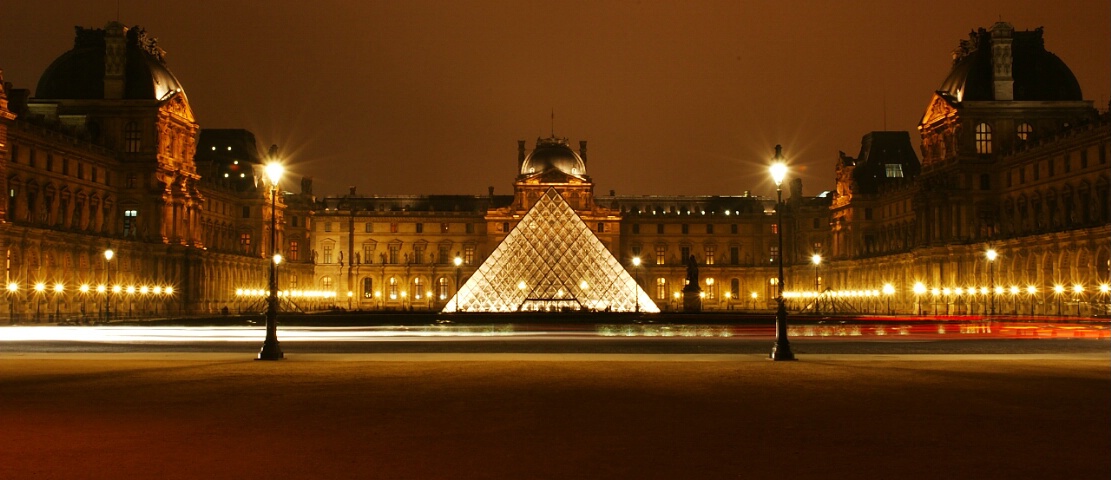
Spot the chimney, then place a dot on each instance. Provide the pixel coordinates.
(491, 189)
(796, 189)
(115, 59)
(613, 193)
(1002, 59)
(520, 154)
(306, 185)
(582, 151)
(351, 190)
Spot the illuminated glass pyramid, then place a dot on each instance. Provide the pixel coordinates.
(551, 261)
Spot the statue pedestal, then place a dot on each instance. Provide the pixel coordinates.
(692, 300)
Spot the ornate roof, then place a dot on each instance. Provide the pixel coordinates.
(80, 72)
(1038, 74)
(553, 154)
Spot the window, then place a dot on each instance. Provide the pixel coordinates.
(985, 181)
(1052, 166)
(393, 288)
(983, 139)
(246, 212)
(294, 251)
(733, 229)
(1024, 132)
(709, 228)
(49, 162)
(327, 226)
(661, 254)
(504, 227)
(735, 289)
(95, 171)
(420, 228)
(418, 288)
(636, 250)
(131, 222)
(130, 180)
(867, 213)
(710, 250)
(394, 249)
(327, 253)
(636, 228)
(65, 166)
(470, 228)
(684, 253)
(894, 170)
(445, 255)
(443, 227)
(1022, 175)
(245, 242)
(734, 255)
(468, 254)
(601, 227)
(80, 171)
(418, 253)
(817, 223)
(659, 228)
(711, 286)
(368, 227)
(773, 252)
(368, 287)
(441, 286)
(661, 288)
(132, 138)
(1083, 159)
(393, 228)
(686, 229)
(326, 283)
(368, 254)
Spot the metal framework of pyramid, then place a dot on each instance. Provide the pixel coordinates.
(551, 261)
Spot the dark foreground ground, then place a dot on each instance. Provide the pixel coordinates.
(559, 416)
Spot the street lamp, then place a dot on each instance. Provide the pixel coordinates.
(108, 254)
(816, 259)
(1058, 290)
(754, 296)
(888, 291)
(58, 290)
(636, 282)
(458, 263)
(271, 349)
(1031, 290)
(1077, 290)
(919, 289)
(782, 348)
(1014, 299)
(39, 289)
(13, 289)
(991, 255)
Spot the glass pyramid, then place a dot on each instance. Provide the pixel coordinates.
(551, 261)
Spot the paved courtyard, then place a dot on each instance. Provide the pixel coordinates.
(516, 416)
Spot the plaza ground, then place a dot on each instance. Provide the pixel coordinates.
(515, 416)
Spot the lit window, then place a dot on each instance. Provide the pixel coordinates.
(293, 251)
(468, 254)
(368, 287)
(132, 138)
(661, 254)
(327, 253)
(245, 242)
(983, 139)
(661, 288)
(894, 170)
(393, 288)
(1024, 132)
(710, 251)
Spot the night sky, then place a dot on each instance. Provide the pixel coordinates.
(675, 98)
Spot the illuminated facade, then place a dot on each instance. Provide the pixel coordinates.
(104, 157)
(1013, 161)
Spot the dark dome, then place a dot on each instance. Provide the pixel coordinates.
(553, 153)
(1038, 74)
(79, 73)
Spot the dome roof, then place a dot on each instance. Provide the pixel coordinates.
(1038, 74)
(553, 154)
(80, 72)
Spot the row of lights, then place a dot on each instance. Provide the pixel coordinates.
(920, 289)
(260, 292)
(40, 287)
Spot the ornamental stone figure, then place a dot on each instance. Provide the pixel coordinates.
(692, 275)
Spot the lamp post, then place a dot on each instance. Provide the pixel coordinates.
(271, 349)
(13, 289)
(816, 259)
(919, 289)
(888, 291)
(108, 254)
(58, 290)
(782, 349)
(458, 263)
(1031, 290)
(636, 282)
(1058, 290)
(39, 289)
(1014, 299)
(991, 255)
(1077, 291)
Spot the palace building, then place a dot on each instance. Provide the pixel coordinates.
(106, 155)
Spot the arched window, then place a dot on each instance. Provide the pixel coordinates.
(442, 285)
(368, 287)
(132, 138)
(393, 288)
(661, 288)
(418, 288)
(326, 283)
(1024, 132)
(983, 139)
(735, 288)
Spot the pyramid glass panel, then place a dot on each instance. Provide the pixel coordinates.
(551, 261)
